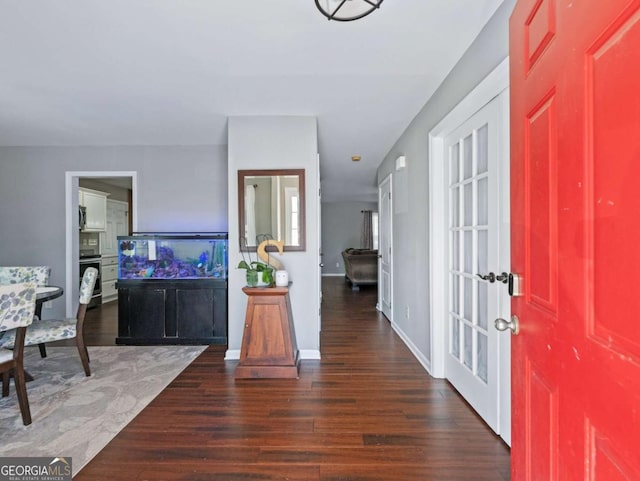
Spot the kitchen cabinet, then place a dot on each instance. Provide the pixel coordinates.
(96, 204)
(109, 278)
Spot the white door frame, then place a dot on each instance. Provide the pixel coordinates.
(494, 84)
(388, 179)
(319, 234)
(490, 87)
(72, 252)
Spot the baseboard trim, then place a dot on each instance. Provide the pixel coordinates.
(232, 355)
(333, 274)
(310, 354)
(422, 359)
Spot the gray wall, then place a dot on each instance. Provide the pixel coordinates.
(341, 225)
(410, 186)
(277, 142)
(179, 188)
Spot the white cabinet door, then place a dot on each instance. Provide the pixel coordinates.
(96, 205)
(109, 278)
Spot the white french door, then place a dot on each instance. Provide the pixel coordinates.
(477, 240)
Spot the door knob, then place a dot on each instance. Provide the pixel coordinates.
(491, 277)
(513, 325)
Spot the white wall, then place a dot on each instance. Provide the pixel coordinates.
(179, 188)
(277, 142)
(410, 217)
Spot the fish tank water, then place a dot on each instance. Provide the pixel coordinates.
(173, 256)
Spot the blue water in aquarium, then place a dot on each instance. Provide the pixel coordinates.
(171, 259)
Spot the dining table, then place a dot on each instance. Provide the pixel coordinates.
(45, 294)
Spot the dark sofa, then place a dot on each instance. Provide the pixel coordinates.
(361, 267)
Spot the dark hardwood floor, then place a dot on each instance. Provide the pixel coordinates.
(100, 327)
(366, 411)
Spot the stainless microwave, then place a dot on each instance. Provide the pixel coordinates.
(82, 217)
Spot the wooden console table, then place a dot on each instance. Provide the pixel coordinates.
(269, 348)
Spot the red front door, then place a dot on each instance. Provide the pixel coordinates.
(575, 217)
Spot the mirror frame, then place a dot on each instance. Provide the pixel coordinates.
(241, 207)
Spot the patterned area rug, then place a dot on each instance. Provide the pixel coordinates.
(76, 416)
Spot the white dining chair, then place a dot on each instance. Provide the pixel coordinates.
(49, 330)
(17, 305)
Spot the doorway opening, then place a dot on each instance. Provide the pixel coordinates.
(106, 182)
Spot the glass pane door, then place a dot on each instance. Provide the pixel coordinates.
(471, 364)
(468, 220)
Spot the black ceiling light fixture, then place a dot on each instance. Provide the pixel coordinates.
(347, 10)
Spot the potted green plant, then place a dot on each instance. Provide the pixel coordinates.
(258, 274)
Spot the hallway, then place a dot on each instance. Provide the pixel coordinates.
(366, 411)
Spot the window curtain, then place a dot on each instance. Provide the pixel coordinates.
(366, 235)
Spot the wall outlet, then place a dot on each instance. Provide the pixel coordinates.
(407, 313)
(337, 264)
(47, 305)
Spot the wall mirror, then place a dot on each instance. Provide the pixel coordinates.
(271, 205)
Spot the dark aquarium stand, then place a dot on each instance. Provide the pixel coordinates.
(172, 289)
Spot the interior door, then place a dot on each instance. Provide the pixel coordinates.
(575, 120)
(476, 291)
(117, 225)
(385, 253)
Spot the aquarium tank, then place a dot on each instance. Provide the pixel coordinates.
(173, 256)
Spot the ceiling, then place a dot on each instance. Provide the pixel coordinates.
(170, 72)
